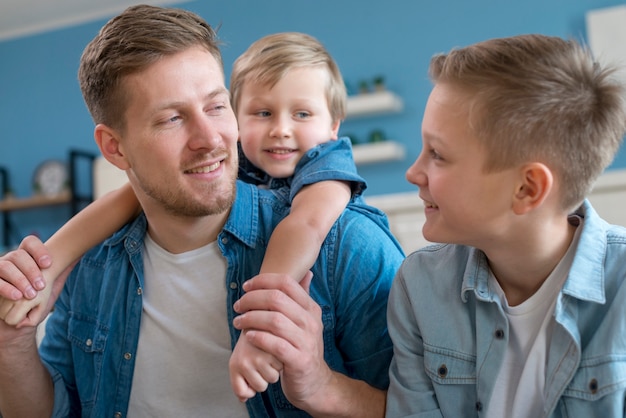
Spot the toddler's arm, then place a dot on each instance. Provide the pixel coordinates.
(87, 228)
(297, 239)
(293, 248)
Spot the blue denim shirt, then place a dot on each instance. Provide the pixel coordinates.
(92, 336)
(450, 332)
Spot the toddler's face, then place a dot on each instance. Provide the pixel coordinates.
(279, 124)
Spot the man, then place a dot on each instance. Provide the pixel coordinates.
(140, 327)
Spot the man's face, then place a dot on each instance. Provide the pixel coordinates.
(181, 135)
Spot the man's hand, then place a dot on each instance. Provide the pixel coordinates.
(20, 270)
(283, 320)
(251, 369)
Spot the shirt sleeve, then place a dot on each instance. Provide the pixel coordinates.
(332, 160)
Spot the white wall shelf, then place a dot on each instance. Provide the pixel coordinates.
(378, 152)
(372, 104)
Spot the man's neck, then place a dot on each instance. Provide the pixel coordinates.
(178, 234)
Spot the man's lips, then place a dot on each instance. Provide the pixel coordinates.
(205, 168)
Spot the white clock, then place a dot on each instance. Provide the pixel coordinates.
(51, 178)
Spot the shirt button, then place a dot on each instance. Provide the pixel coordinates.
(89, 342)
(224, 240)
(479, 406)
(593, 386)
(128, 356)
(139, 291)
(499, 334)
(117, 415)
(442, 370)
(233, 285)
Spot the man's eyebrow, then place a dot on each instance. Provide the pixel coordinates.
(177, 103)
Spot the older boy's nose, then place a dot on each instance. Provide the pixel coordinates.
(415, 175)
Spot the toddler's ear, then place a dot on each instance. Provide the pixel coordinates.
(334, 129)
(536, 182)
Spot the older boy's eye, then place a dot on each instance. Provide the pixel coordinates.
(264, 114)
(435, 155)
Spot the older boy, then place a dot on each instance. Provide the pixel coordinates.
(530, 292)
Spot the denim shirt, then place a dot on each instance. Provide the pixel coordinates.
(92, 335)
(450, 332)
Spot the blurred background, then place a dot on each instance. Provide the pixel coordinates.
(43, 116)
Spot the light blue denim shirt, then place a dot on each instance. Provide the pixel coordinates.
(450, 332)
(92, 336)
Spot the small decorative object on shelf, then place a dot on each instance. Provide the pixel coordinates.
(379, 83)
(364, 87)
(51, 178)
(377, 135)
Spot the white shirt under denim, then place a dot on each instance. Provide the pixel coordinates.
(450, 332)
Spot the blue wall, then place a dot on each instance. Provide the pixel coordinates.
(42, 113)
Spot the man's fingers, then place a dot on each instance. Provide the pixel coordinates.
(37, 251)
(19, 272)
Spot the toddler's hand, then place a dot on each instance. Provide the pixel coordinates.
(251, 369)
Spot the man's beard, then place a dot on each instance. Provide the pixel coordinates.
(178, 202)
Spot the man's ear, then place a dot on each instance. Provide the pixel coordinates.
(108, 141)
(535, 184)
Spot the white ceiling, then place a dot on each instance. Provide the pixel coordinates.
(26, 17)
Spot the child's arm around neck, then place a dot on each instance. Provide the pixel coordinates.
(296, 241)
(87, 228)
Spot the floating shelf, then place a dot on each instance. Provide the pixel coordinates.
(15, 203)
(375, 103)
(378, 152)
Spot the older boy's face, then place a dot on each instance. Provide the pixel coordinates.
(463, 204)
(181, 135)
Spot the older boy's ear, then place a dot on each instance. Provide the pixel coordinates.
(108, 141)
(536, 182)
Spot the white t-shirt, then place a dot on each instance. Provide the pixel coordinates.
(181, 367)
(519, 388)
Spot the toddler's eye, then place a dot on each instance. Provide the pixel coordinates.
(302, 115)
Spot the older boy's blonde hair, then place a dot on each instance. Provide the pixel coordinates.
(267, 60)
(540, 98)
(129, 43)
